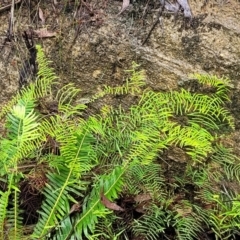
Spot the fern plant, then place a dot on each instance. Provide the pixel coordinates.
(93, 163)
(27, 132)
(22, 137)
(153, 224)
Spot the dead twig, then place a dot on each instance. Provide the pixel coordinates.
(29, 67)
(155, 23)
(10, 34)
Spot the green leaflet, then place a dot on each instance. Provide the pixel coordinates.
(93, 208)
(76, 159)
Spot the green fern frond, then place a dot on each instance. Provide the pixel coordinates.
(23, 135)
(152, 224)
(63, 230)
(146, 146)
(45, 76)
(187, 223)
(77, 157)
(66, 94)
(201, 215)
(222, 85)
(148, 177)
(233, 171)
(206, 110)
(135, 74)
(21, 140)
(229, 162)
(139, 131)
(65, 97)
(110, 184)
(56, 205)
(180, 102)
(41, 87)
(132, 86)
(154, 104)
(10, 220)
(8, 106)
(14, 221)
(24, 98)
(106, 228)
(187, 227)
(196, 140)
(4, 198)
(225, 218)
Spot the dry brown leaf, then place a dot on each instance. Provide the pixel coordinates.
(41, 16)
(142, 207)
(110, 205)
(177, 154)
(44, 33)
(75, 208)
(125, 4)
(185, 211)
(142, 197)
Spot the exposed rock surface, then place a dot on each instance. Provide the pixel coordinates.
(99, 54)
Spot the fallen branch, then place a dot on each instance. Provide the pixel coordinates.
(155, 24)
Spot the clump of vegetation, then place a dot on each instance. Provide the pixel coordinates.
(157, 169)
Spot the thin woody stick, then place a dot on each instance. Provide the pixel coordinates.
(11, 21)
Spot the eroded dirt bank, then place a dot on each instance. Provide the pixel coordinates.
(96, 46)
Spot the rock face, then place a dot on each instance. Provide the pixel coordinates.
(100, 45)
